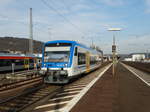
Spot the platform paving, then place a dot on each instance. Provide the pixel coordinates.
(123, 92)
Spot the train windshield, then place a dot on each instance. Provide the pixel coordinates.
(57, 54)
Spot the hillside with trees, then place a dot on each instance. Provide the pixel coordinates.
(18, 45)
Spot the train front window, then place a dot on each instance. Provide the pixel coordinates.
(57, 54)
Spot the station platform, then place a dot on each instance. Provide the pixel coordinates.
(123, 92)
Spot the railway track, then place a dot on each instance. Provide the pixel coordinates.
(16, 84)
(23, 74)
(145, 67)
(17, 94)
(34, 95)
(18, 103)
(16, 87)
(18, 79)
(65, 98)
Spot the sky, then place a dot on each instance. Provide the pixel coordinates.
(81, 20)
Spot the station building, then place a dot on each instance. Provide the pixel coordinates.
(138, 57)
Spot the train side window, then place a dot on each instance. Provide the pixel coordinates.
(93, 60)
(7, 62)
(26, 61)
(1, 62)
(76, 51)
(16, 61)
(81, 58)
(31, 60)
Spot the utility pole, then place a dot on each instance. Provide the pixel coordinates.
(31, 34)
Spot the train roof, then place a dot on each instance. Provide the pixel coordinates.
(72, 42)
(64, 41)
(61, 41)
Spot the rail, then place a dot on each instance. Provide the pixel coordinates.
(24, 78)
(18, 103)
(29, 96)
(139, 65)
(19, 83)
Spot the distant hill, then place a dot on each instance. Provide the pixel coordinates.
(13, 44)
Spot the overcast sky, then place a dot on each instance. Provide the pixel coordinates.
(80, 20)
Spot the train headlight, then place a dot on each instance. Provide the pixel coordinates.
(62, 72)
(44, 69)
(41, 72)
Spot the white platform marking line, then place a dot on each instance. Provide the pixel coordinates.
(70, 92)
(61, 98)
(135, 74)
(75, 100)
(58, 110)
(52, 104)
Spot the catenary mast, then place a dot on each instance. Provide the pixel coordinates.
(31, 34)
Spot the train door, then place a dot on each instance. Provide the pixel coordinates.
(87, 62)
(26, 63)
(75, 62)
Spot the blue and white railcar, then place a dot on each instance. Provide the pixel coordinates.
(63, 60)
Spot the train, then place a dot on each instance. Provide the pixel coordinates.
(15, 62)
(63, 60)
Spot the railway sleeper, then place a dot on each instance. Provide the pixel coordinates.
(45, 92)
(40, 94)
(22, 101)
(12, 106)
(7, 108)
(33, 98)
(4, 108)
(18, 106)
(25, 98)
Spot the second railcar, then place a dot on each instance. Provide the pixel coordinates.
(9, 62)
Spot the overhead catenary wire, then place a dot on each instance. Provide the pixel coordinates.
(61, 15)
(65, 5)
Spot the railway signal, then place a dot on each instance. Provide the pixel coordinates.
(114, 49)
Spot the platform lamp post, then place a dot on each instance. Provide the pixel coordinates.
(114, 48)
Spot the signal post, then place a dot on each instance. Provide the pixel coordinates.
(113, 58)
(114, 49)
